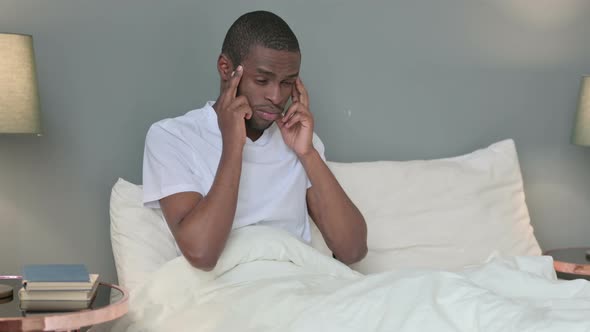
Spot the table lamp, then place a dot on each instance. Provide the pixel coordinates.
(19, 99)
(582, 127)
(581, 135)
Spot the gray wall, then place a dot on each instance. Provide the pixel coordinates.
(393, 80)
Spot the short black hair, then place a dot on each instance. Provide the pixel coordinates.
(261, 28)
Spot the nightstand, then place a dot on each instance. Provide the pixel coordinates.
(571, 263)
(110, 303)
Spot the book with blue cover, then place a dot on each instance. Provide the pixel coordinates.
(26, 294)
(61, 285)
(55, 273)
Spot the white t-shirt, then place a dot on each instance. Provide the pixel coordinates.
(182, 155)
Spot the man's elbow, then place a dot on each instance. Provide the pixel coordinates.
(353, 255)
(201, 260)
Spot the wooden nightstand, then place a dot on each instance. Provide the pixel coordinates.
(571, 263)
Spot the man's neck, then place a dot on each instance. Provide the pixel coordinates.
(253, 134)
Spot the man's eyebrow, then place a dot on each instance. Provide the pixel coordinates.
(265, 72)
(271, 74)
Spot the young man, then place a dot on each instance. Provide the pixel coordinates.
(244, 159)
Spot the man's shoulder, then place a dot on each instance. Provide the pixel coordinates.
(316, 137)
(190, 123)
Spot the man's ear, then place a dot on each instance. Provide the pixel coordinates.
(224, 67)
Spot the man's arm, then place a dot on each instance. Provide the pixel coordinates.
(201, 225)
(340, 222)
(338, 219)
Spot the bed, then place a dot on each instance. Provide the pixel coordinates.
(451, 248)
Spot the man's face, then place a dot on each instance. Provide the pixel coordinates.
(267, 82)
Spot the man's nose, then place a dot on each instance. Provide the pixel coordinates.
(273, 94)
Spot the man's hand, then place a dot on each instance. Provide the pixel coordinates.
(231, 112)
(297, 124)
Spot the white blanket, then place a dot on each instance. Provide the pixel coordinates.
(267, 280)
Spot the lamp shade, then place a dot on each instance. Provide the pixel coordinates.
(19, 99)
(582, 127)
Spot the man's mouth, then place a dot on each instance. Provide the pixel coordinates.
(269, 116)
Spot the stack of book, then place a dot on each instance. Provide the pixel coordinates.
(57, 287)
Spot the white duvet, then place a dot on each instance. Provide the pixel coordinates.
(267, 280)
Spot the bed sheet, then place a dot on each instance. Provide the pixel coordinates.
(267, 280)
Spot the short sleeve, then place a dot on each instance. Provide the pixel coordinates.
(168, 166)
(319, 146)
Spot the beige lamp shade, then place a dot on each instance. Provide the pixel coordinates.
(19, 99)
(582, 127)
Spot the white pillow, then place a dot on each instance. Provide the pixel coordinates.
(442, 213)
(141, 239)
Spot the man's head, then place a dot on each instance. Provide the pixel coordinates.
(268, 50)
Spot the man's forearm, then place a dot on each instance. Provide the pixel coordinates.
(339, 220)
(206, 227)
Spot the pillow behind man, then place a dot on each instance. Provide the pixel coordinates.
(140, 237)
(441, 213)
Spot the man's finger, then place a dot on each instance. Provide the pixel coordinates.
(245, 111)
(234, 81)
(248, 114)
(297, 117)
(240, 105)
(290, 111)
(240, 101)
(294, 93)
(303, 97)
